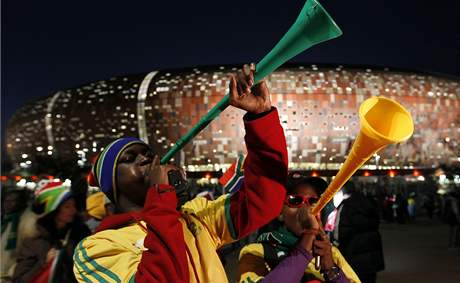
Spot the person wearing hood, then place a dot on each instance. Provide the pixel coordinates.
(157, 235)
(98, 206)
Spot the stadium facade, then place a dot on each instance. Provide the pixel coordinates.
(318, 109)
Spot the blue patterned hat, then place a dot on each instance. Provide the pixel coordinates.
(104, 169)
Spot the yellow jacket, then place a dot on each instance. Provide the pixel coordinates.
(113, 255)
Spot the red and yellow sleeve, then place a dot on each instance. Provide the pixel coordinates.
(261, 196)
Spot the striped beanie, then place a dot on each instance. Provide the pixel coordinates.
(104, 169)
(51, 195)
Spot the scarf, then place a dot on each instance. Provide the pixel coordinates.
(166, 258)
(281, 239)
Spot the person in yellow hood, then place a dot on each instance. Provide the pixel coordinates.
(98, 206)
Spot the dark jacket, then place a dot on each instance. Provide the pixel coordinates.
(451, 210)
(31, 258)
(359, 237)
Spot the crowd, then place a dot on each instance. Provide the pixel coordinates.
(143, 225)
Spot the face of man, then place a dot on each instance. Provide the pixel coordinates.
(137, 172)
(132, 169)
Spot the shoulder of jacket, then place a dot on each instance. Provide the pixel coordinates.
(200, 203)
(123, 238)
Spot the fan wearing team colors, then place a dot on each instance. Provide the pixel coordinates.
(285, 252)
(150, 239)
(46, 256)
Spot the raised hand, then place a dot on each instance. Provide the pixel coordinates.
(247, 96)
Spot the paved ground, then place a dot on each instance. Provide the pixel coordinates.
(413, 253)
(418, 253)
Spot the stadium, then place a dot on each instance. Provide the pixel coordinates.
(318, 108)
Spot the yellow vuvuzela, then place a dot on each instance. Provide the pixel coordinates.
(383, 122)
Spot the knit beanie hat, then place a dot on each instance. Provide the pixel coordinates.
(103, 173)
(51, 195)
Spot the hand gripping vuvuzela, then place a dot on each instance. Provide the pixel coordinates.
(313, 26)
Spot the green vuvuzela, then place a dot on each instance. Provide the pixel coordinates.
(313, 26)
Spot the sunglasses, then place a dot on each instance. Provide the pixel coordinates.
(299, 200)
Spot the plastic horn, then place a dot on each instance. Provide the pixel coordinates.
(313, 26)
(383, 122)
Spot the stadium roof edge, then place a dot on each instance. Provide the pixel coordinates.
(286, 65)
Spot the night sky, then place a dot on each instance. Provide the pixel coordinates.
(53, 45)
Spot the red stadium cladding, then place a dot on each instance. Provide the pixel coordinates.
(318, 109)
